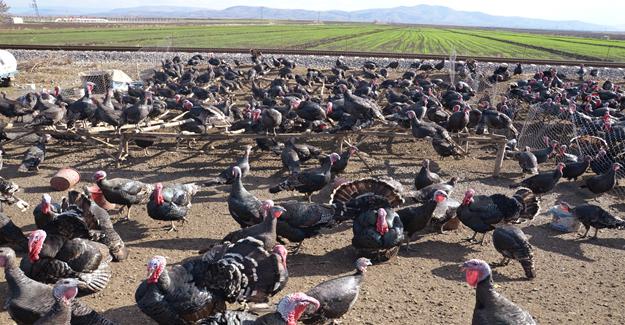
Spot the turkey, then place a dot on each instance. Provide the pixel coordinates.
(243, 206)
(302, 220)
(123, 191)
(288, 312)
(426, 193)
(309, 181)
(417, 218)
(425, 177)
(421, 129)
(512, 243)
(290, 158)
(52, 257)
(527, 161)
(336, 296)
(243, 271)
(600, 184)
(264, 231)
(459, 120)
(45, 211)
(377, 230)
(226, 176)
(572, 171)
(359, 107)
(543, 182)
(99, 219)
(137, 113)
(63, 292)
(11, 234)
(171, 203)
(542, 155)
(34, 156)
(83, 109)
(490, 306)
(170, 297)
(8, 190)
(29, 300)
(271, 119)
(481, 212)
(593, 216)
(492, 119)
(340, 165)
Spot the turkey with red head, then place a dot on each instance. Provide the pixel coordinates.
(603, 183)
(171, 202)
(490, 306)
(288, 312)
(53, 257)
(29, 300)
(83, 109)
(417, 218)
(169, 295)
(481, 212)
(377, 230)
(63, 292)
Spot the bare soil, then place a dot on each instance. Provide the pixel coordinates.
(578, 281)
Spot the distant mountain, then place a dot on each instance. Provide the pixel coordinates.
(420, 14)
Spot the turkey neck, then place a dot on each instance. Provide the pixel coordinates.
(164, 281)
(485, 293)
(237, 185)
(15, 276)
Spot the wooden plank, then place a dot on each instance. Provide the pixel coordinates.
(501, 151)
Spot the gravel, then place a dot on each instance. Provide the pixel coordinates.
(307, 61)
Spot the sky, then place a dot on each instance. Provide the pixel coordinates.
(598, 12)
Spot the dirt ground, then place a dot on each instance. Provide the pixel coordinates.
(578, 281)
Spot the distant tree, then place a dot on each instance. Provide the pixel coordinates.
(4, 9)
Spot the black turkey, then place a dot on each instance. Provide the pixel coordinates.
(243, 206)
(171, 203)
(512, 243)
(594, 216)
(309, 181)
(226, 176)
(377, 230)
(481, 212)
(126, 192)
(29, 300)
(336, 296)
(490, 306)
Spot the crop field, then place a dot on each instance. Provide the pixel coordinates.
(339, 37)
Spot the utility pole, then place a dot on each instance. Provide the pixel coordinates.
(35, 7)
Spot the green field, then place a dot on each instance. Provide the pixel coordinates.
(340, 37)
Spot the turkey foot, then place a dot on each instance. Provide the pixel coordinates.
(505, 261)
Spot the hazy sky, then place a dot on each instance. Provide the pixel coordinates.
(600, 12)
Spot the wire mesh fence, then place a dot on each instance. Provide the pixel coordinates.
(581, 136)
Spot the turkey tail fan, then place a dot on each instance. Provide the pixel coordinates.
(528, 267)
(531, 203)
(368, 188)
(214, 181)
(95, 281)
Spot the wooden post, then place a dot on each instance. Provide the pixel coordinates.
(501, 151)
